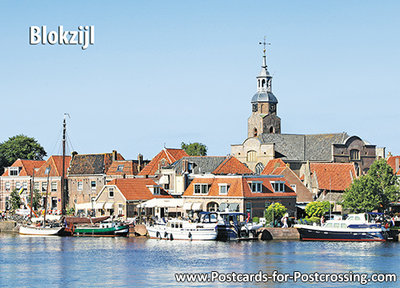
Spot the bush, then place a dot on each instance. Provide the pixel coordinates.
(317, 208)
(256, 219)
(274, 213)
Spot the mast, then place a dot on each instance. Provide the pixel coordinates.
(47, 191)
(32, 187)
(63, 190)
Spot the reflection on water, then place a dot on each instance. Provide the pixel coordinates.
(128, 262)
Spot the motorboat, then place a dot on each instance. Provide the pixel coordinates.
(356, 227)
(176, 229)
(106, 228)
(233, 226)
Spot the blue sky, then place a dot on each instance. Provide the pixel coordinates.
(163, 72)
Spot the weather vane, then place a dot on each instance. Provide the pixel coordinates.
(265, 44)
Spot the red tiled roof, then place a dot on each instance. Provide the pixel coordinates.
(27, 166)
(127, 168)
(395, 164)
(170, 155)
(231, 165)
(55, 162)
(136, 188)
(333, 176)
(272, 166)
(239, 187)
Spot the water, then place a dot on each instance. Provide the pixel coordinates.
(27, 261)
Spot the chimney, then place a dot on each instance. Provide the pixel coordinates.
(114, 155)
(397, 165)
(185, 166)
(140, 162)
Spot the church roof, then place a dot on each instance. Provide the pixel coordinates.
(264, 97)
(316, 147)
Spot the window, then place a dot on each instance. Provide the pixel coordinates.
(256, 187)
(25, 185)
(259, 168)
(120, 209)
(14, 171)
(18, 185)
(36, 186)
(53, 186)
(80, 186)
(201, 189)
(93, 185)
(278, 186)
(354, 154)
(223, 189)
(111, 192)
(44, 186)
(293, 186)
(7, 186)
(120, 168)
(252, 156)
(156, 191)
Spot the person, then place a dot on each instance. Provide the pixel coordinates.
(284, 221)
(322, 220)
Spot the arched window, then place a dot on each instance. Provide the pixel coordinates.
(255, 133)
(252, 156)
(354, 154)
(263, 83)
(271, 130)
(259, 168)
(212, 207)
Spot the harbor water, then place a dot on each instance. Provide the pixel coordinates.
(28, 261)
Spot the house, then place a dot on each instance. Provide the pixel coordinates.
(121, 196)
(328, 181)
(176, 177)
(240, 193)
(394, 162)
(87, 175)
(55, 163)
(126, 168)
(18, 175)
(166, 157)
(278, 167)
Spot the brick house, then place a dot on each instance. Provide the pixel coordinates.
(126, 168)
(166, 157)
(17, 176)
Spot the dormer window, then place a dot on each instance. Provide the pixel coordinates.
(256, 186)
(120, 168)
(14, 171)
(223, 189)
(156, 191)
(201, 189)
(278, 186)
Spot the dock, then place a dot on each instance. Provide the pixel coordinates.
(270, 233)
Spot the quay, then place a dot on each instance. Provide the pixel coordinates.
(8, 226)
(270, 233)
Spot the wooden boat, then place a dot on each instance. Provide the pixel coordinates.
(355, 228)
(110, 228)
(41, 231)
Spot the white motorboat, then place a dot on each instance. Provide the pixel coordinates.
(175, 229)
(41, 231)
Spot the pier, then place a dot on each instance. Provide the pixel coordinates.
(270, 233)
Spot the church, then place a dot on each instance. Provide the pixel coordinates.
(265, 141)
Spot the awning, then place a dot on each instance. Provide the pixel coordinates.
(197, 206)
(234, 207)
(83, 206)
(109, 205)
(161, 202)
(187, 206)
(98, 205)
(164, 179)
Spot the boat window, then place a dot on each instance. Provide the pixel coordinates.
(350, 218)
(328, 225)
(213, 218)
(343, 225)
(336, 225)
(180, 225)
(358, 218)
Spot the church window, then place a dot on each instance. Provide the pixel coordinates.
(271, 130)
(263, 83)
(354, 154)
(259, 168)
(252, 156)
(255, 133)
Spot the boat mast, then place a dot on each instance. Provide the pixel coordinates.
(63, 190)
(47, 191)
(32, 187)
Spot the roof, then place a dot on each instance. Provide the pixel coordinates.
(274, 167)
(92, 163)
(165, 157)
(239, 186)
(333, 176)
(264, 97)
(125, 167)
(316, 147)
(136, 188)
(55, 162)
(26, 166)
(231, 165)
(394, 162)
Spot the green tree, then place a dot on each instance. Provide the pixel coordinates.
(15, 200)
(194, 149)
(275, 211)
(317, 208)
(20, 147)
(374, 191)
(35, 199)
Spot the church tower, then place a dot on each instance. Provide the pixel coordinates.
(264, 105)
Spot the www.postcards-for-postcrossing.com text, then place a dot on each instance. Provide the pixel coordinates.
(83, 36)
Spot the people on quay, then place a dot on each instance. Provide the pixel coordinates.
(322, 220)
(284, 221)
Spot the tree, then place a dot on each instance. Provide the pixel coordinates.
(20, 147)
(194, 149)
(317, 208)
(15, 200)
(35, 199)
(373, 191)
(275, 211)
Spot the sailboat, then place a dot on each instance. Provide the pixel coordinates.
(49, 230)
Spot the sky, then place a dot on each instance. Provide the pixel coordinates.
(165, 72)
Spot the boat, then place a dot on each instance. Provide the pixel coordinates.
(105, 228)
(177, 229)
(356, 227)
(232, 226)
(39, 230)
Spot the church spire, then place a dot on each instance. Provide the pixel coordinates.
(264, 80)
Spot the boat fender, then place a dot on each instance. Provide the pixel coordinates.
(166, 235)
(158, 235)
(190, 236)
(171, 237)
